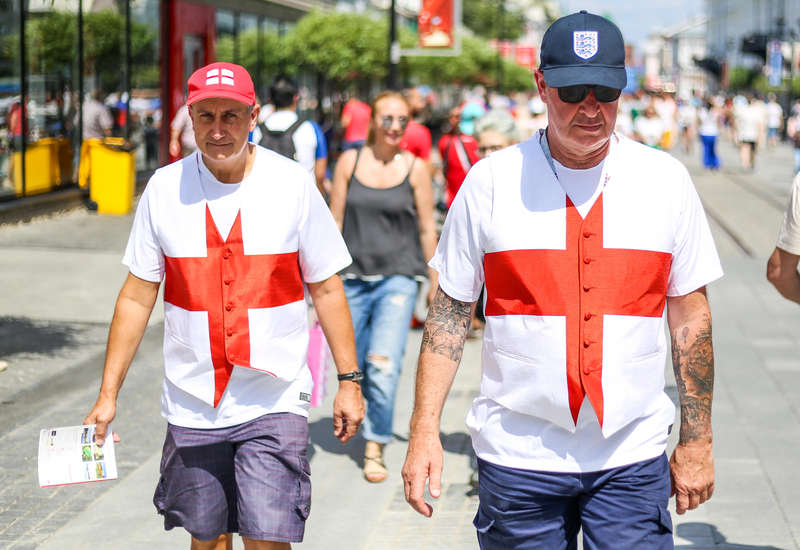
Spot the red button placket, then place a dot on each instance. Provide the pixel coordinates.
(589, 332)
(228, 280)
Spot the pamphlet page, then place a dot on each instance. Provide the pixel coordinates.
(71, 455)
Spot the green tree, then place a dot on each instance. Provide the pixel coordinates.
(483, 18)
(516, 78)
(344, 46)
(741, 78)
(476, 65)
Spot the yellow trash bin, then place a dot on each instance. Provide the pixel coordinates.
(41, 167)
(108, 168)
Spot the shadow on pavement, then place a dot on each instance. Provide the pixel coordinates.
(696, 530)
(20, 335)
(321, 435)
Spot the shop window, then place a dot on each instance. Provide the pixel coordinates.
(51, 43)
(146, 124)
(10, 98)
(226, 36)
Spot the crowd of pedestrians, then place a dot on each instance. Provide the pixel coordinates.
(569, 277)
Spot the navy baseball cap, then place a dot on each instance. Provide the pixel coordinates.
(583, 48)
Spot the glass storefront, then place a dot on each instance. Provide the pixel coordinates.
(11, 123)
(97, 69)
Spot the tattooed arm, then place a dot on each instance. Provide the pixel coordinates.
(692, 462)
(442, 346)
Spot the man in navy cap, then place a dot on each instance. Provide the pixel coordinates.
(583, 238)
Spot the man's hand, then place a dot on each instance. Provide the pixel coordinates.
(102, 414)
(348, 410)
(692, 471)
(424, 461)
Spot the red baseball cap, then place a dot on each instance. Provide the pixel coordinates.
(222, 80)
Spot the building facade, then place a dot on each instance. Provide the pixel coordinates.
(669, 58)
(67, 67)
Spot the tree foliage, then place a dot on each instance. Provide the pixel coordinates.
(483, 18)
(344, 46)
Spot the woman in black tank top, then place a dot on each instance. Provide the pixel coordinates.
(382, 200)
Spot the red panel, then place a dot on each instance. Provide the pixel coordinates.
(186, 18)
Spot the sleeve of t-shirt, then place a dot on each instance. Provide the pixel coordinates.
(789, 237)
(321, 250)
(459, 255)
(322, 145)
(143, 255)
(695, 262)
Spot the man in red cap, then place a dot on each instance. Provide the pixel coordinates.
(235, 232)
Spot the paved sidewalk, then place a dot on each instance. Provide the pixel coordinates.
(756, 419)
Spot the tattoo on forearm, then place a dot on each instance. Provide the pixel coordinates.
(693, 363)
(446, 326)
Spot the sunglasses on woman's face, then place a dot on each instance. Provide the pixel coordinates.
(576, 94)
(389, 120)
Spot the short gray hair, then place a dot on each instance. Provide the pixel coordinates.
(500, 121)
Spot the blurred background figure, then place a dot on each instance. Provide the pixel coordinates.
(774, 121)
(793, 131)
(648, 128)
(749, 128)
(181, 135)
(97, 120)
(458, 149)
(687, 125)
(708, 117)
(355, 122)
(417, 139)
(494, 131)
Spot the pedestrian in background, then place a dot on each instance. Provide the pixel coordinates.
(749, 128)
(382, 200)
(310, 147)
(582, 238)
(236, 232)
(708, 117)
(458, 149)
(355, 122)
(417, 140)
(181, 134)
(774, 114)
(793, 131)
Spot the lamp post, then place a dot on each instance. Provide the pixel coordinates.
(394, 49)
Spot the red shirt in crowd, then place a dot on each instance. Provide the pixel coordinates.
(457, 159)
(417, 140)
(359, 113)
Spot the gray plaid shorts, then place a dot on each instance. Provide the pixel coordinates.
(252, 479)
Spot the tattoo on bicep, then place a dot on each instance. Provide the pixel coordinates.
(446, 326)
(693, 363)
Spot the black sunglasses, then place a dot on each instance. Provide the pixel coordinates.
(387, 122)
(577, 93)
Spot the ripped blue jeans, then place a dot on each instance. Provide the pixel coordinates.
(381, 313)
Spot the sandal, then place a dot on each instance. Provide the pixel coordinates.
(376, 475)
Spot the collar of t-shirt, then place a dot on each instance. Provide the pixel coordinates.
(222, 199)
(581, 186)
(280, 121)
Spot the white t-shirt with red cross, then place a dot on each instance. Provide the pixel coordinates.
(577, 266)
(235, 259)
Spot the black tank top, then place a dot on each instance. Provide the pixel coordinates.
(381, 230)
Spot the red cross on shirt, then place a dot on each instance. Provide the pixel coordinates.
(582, 283)
(227, 283)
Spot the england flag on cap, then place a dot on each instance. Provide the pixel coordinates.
(585, 43)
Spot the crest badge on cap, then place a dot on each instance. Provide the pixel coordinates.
(584, 43)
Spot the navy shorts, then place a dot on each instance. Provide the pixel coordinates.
(619, 509)
(252, 479)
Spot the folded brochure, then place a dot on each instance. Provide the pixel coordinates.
(71, 455)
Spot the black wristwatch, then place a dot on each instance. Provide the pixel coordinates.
(355, 376)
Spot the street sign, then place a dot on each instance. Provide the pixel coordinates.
(774, 63)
